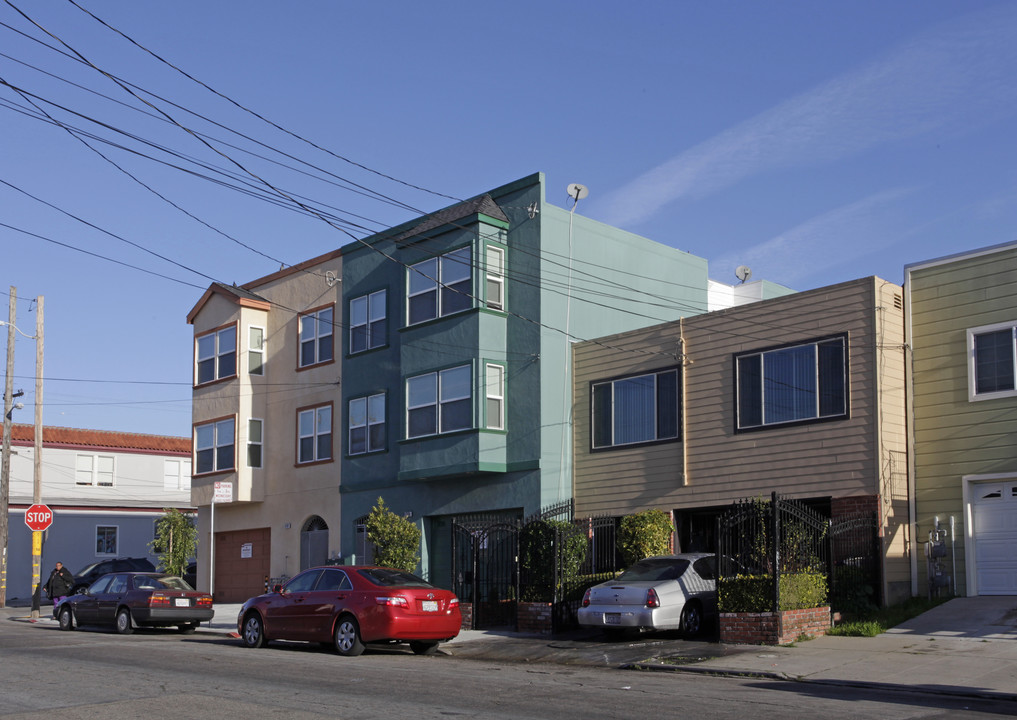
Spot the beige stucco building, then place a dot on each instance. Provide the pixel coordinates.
(803, 395)
(265, 402)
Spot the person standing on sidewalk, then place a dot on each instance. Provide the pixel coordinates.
(59, 584)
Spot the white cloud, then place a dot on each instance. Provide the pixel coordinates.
(949, 79)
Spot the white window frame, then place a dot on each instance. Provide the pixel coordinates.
(495, 277)
(259, 443)
(214, 353)
(374, 312)
(369, 407)
(972, 333)
(321, 335)
(116, 541)
(176, 474)
(255, 350)
(431, 276)
(437, 382)
(315, 434)
(221, 430)
(94, 471)
(494, 391)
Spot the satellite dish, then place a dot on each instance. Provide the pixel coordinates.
(577, 192)
(743, 273)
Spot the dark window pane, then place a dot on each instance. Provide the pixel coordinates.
(358, 440)
(602, 421)
(455, 415)
(377, 437)
(205, 460)
(832, 383)
(423, 307)
(789, 384)
(224, 457)
(358, 339)
(456, 298)
(667, 405)
(422, 421)
(254, 456)
(634, 413)
(228, 365)
(206, 371)
(307, 353)
(378, 330)
(324, 446)
(994, 361)
(750, 391)
(306, 449)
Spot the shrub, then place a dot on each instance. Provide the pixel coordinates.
(544, 545)
(176, 541)
(754, 593)
(396, 539)
(644, 534)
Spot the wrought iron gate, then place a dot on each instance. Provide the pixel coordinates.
(485, 570)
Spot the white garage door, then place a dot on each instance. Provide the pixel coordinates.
(995, 534)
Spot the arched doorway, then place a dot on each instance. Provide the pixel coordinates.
(313, 543)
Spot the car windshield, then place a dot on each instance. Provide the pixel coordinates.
(387, 577)
(87, 569)
(655, 569)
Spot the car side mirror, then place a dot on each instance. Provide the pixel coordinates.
(277, 588)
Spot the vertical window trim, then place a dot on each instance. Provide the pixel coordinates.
(498, 423)
(324, 336)
(216, 356)
(972, 334)
(316, 435)
(819, 384)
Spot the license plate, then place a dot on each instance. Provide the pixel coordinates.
(429, 605)
(181, 602)
(612, 618)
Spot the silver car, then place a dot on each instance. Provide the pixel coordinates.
(668, 592)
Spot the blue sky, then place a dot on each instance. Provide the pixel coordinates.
(815, 142)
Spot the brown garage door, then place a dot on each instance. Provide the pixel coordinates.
(241, 564)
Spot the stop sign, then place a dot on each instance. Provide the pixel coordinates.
(38, 518)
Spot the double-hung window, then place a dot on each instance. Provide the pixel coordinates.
(635, 409)
(106, 539)
(439, 402)
(214, 444)
(176, 475)
(316, 337)
(255, 442)
(96, 470)
(439, 286)
(799, 383)
(495, 278)
(367, 424)
(367, 322)
(992, 358)
(495, 401)
(256, 350)
(216, 355)
(314, 434)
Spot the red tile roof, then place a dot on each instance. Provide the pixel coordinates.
(106, 439)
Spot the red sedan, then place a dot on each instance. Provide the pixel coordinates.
(352, 605)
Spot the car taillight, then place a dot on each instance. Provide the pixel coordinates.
(157, 600)
(392, 600)
(652, 601)
(205, 602)
(454, 602)
(586, 597)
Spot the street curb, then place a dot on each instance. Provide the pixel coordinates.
(860, 684)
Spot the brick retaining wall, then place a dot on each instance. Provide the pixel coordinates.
(535, 617)
(779, 628)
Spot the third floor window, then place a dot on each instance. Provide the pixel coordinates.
(439, 286)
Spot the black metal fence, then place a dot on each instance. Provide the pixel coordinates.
(856, 563)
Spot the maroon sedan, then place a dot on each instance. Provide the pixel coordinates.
(136, 599)
(352, 605)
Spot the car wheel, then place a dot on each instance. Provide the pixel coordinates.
(187, 628)
(347, 637)
(692, 619)
(254, 631)
(423, 648)
(66, 618)
(123, 623)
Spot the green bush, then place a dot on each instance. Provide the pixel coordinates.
(644, 534)
(543, 544)
(754, 593)
(396, 539)
(176, 541)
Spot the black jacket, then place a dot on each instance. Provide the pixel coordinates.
(60, 582)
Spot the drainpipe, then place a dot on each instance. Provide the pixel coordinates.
(683, 357)
(909, 373)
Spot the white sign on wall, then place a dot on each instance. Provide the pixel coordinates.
(223, 492)
(246, 550)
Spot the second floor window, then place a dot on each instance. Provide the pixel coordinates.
(256, 350)
(495, 407)
(314, 428)
(96, 470)
(792, 384)
(367, 322)
(216, 355)
(254, 442)
(637, 409)
(316, 337)
(993, 357)
(439, 402)
(439, 286)
(367, 424)
(214, 446)
(495, 278)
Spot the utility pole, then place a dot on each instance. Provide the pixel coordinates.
(37, 465)
(5, 465)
